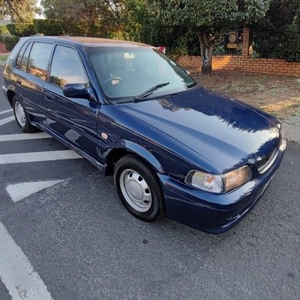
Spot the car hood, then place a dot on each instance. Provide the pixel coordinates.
(225, 132)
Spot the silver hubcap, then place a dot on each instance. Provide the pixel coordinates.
(135, 190)
(20, 114)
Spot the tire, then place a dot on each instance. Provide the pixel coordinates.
(21, 116)
(139, 189)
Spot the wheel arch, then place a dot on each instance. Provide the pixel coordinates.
(137, 150)
(10, 96)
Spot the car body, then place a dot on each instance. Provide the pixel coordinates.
(173, 147)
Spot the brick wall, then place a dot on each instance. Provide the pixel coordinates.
(234, 62)
(3, 48)
(243, 62)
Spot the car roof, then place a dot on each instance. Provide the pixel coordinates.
(88, 41)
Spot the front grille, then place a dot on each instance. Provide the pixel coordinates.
(266, 162)
(260, 164)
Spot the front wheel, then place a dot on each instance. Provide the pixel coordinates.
(138, 189)
(21, 116)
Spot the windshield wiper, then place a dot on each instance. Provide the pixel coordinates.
(150, 91)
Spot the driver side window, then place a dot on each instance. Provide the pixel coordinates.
(67, 67)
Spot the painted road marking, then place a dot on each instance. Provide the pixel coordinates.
(22, 190)
(24, 136)
(6, 120)
(5, 111)
(37, 156)
(17, 273)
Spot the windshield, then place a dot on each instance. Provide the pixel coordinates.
(126, 73)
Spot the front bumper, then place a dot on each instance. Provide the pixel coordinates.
(214, 213)
(4, 90)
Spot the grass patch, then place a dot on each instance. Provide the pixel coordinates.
(278, 95)
(288, 107)
(3, 57)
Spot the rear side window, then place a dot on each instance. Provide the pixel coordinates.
(24, 60)
(67, 67)
(19, 58)
(39, 59)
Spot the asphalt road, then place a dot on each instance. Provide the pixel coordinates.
(84, 245)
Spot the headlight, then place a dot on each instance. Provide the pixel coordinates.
(218, 184)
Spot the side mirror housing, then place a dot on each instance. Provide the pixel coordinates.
(76, 90)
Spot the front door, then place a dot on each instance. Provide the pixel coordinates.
(73, 119)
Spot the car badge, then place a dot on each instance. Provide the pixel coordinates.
(104, 135)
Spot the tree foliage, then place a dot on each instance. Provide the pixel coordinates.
(18, 10)
(78, 18)
(206, 18)
(178, 40)
(277, 35)
(109, 18)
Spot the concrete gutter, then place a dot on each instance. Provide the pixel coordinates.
(291, 126)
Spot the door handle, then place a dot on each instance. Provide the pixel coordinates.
(49, 97)
(19, 81)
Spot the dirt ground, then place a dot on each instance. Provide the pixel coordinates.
(279, 95)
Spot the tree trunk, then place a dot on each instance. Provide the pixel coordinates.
(206, 48)
(13, 11)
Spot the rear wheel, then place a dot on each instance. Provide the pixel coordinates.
(21, 116)
(138, 188)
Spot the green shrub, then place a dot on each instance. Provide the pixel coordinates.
(21, 29)
(48, 26)
(3, 29)
(10, 41)
(277, 35)
(178, 40)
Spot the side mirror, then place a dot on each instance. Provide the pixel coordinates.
(75, 90)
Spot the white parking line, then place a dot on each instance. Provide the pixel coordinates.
(6, 120)
(24, 136)
(17, 273)
(22, 190)
(37, 156)
(5, 111)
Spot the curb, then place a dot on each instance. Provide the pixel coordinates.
(292, 132)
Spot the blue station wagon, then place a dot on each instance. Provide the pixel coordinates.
(174, 148)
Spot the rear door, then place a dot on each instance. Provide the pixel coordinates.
(31, 72)
(73, 119)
